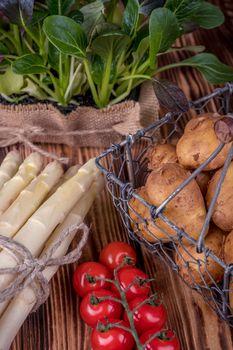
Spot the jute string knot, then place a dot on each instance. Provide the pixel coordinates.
(30, 269)
(13, 135)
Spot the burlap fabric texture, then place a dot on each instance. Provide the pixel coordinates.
(83, 127)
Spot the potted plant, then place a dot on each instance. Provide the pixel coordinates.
(93, 53)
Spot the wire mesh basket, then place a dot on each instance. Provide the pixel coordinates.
(125, 166)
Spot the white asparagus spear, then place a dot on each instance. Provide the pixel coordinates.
(70, 172)
(20, 307)
(40, 225)
(29, 199)
(9, 166)
(12, 188)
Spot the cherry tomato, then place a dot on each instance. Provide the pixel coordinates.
(152, 314)
(84, 278)
(111, 338)
(166, 340)
(114, 253)
(133, 280)
(92, 309)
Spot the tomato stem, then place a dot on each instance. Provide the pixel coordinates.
(151, 301)
(110, 298)
(127, 308)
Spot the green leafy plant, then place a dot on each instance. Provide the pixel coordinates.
(63, 49)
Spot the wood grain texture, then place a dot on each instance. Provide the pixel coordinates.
(57, 325)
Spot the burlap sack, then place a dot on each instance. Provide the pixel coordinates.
(83, 127)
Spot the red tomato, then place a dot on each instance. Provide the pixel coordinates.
(166, 340)
(149, 315)
(132, 279)
(114, 253)
(112, 338)
(92, 309)
(84, 278)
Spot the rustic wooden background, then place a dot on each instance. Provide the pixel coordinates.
(57, 325)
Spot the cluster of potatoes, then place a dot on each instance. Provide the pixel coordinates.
(170, 165)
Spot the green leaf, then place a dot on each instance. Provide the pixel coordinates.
(209, 65)
(54, 56)
(59, 7)
(199, 12)
(66, 35)
(77, 16)
(110, 43)
(183, 9)
(93, 15)
(208, 16)
(3, 49)
(190, 48)
(10, 83)
(38, 16)
(130, 17)
(163, 31)
(142, 49)
(29, 64)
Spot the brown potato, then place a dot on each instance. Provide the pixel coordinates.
(228, 257)
(203, 181)
(222, 215)
(201, 269)
(139, 225)
(186, 209)
(199, 141)
(161, 154)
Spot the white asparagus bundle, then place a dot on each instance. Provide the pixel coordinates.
(29, 199)
(52, 212)
(26, 173)
(9, 166)
(20, 307)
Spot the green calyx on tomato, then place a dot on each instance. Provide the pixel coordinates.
(164, 335)
(90, 279)
(128, 260)
(153, 300)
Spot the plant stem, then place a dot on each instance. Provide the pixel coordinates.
(136, 76)
(172, 65)
(28, 46)
(60, 73)
(44, 87)
(91, 83)
(127, 309)
(72, 78)
(104, 93)
(17, 40)
(31, 35)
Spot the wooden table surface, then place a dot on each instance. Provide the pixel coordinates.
(57, 325)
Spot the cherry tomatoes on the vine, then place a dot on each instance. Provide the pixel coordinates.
(133, 281)
(109, 337)
(85, 277)
(152, 314)
(113, 254)
(93, 309)
(166, 340)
